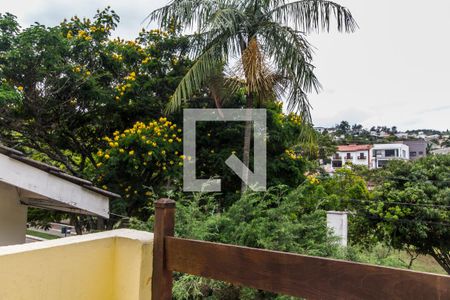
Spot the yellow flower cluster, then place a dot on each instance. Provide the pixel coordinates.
(131, 77)
(279, 104)
(123, 44)
(146, 60)
(79, 69)
(124, 87)
(100, 29)
(158, 144)
(135, 45)
(159, 32)
(292, 155)
(296, 119)
(312, 179)
(84, 35)
(117, 57)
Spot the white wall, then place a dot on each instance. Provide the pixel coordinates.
(13, 216)
(355, 155)
(337, 221)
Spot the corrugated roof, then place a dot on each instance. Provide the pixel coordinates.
(20, 156)
(350, 148)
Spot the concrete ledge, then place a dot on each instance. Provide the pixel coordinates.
(141, 236)
(107, 265)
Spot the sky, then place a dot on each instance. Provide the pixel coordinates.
(393, 71)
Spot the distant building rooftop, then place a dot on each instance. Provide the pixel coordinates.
(350, 148)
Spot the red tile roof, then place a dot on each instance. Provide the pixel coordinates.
(351, 148)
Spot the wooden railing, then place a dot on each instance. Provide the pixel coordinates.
(280, 272)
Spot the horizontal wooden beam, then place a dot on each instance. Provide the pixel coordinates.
(300, 276)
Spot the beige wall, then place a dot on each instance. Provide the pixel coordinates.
(109, 265)
(13, 216)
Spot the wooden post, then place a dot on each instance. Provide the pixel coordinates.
(164, 226)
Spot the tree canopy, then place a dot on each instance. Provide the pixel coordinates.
(63, 88)
(410, 209)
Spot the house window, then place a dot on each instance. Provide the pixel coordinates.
(337, 163)
(389, 153)
(349, 156)
(413, 153)
(420, 152)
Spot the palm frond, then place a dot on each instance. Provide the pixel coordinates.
(308, 139)
(192, 14)
(227, 19)
(291, 56)
(313, 15)
(203, 68)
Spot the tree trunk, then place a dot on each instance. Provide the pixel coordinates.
(412, 257)
(100, 224)
(76, 223)
(443, 259)
(247, 142)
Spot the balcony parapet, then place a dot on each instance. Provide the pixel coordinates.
(115, 264)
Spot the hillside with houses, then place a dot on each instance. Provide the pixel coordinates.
(374, 147)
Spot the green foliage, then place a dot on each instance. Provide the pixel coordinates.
(326, 147)
(286, 160)
(139, 162)
(64, 87)
(148, 173)
(270, 220)
(43, 235)
(337, 192)
(410, 208)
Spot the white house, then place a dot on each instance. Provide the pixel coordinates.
(25, 182)
(383, 153)
(402, 135)
(354, 154)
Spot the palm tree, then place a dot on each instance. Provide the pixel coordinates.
(267, 38)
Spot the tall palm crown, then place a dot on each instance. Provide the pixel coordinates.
(267, 37)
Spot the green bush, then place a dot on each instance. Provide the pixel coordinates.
(271, 220)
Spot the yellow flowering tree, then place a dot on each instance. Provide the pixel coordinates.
(139, 162)
(64, 87)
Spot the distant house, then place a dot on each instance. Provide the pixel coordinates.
(432, 137)
(28, 183)
(441, 151)
(417, 148)
(383, 134)
(402, 135)
(383, 153)
(353, 154)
